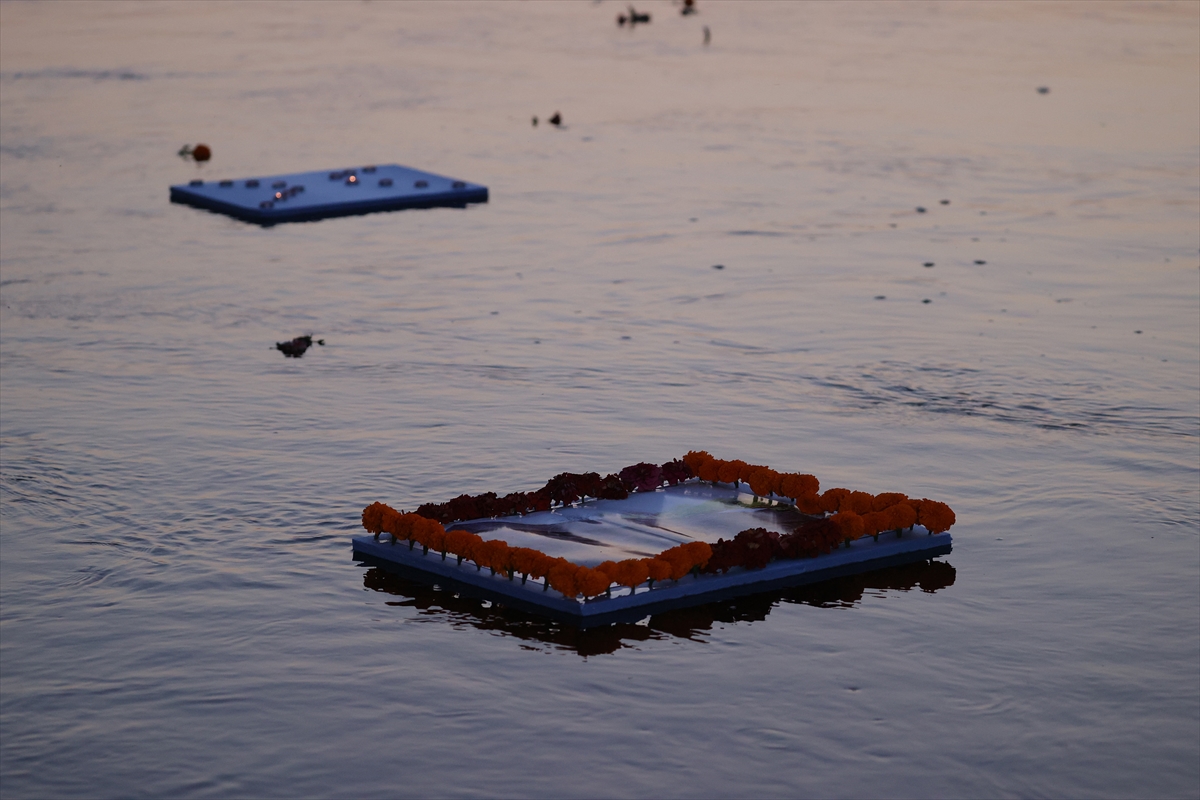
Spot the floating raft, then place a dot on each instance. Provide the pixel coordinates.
(640, 526)
(306, 196)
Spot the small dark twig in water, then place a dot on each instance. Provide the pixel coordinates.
(296, 347)
(633, 19)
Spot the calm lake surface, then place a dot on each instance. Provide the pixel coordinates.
(180, 614)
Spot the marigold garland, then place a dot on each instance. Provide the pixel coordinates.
(852, 516)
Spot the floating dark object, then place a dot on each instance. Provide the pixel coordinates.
(945, 202)
(1043, 90)
(265, 201)
(296, 347)
(689, 7)
(535, 121)
(980, 262)
(707, 35)
(200, 152)
(929, 263)
(556, 119)
(926, 301)
(881, 297)
(633, 18)
(920, 209)
(718, 266)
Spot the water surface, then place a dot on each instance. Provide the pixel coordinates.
(179, 611)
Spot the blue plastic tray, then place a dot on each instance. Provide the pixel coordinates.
(304, 196)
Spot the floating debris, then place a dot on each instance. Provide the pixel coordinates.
(707, 35)
(556, 120)
(535, 120)
(920, 209)
(200, 152)
(929, 263)
(718, 266)
(689, 7)
(1043, 90)
(633, 18)
(980, 262)
(297, 347)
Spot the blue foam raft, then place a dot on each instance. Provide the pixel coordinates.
(643, 524)
(306, 196)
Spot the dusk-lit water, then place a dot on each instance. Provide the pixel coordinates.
(180, 614)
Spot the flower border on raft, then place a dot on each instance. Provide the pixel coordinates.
(853, 515)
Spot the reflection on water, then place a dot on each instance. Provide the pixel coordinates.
(432, 601)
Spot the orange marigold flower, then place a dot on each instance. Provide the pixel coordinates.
(903, 516)
(632, 572)
(372, 518)
(860, 502)
(609, 568)
(494, 554)
(659, 570)
(562, 578)
(764, 481)
(709, 470)
(935, 517)
(524, 559)
(887, 500)
(809, 504)
(729, 471)
(541, 565)
(698, 552)
(849, 524)
(695, 458)
(874, 522)
(746, 470)
(832, 499)
(591, 582)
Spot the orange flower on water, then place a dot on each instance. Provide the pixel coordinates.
(849, 524)
(935, 517)
(609, 568)
(709, 470)
(903, 516)
(874, 522)
(494, 554)
(462, 543)
(372, 518)
(796, 485)
(658, 569)
(887, 500)
(524, 560)
(729, 471)
(860, 502)
(833, 499)
(562, 578)
(632, 572)
(764, 481)
(809, 504)
(695, 458)
(746, 470)
(591, 582)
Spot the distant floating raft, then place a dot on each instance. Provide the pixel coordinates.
(306, 196)
(659, 546)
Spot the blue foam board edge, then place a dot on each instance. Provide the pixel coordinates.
(307, 196)
(863, 555)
